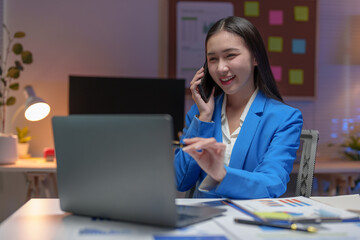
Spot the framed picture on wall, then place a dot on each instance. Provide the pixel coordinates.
(191, 21)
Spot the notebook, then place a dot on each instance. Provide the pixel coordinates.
(120, 167)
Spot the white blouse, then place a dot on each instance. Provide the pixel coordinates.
(228, 139)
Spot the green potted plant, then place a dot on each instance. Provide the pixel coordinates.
(23, 141)
(10, 73)
(351, 144)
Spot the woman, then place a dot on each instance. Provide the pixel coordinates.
(242, 143)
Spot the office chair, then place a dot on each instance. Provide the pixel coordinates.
(309, 141)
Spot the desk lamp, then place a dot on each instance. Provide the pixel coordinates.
(35, 108)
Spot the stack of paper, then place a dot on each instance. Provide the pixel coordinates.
(295, 209)
(347, 202)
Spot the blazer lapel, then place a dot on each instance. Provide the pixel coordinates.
(247, 132)
(217, 118)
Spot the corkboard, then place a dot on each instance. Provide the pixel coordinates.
(288, 29)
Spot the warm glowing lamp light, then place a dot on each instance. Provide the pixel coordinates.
(35, 107)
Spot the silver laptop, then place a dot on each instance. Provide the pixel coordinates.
(120, 167)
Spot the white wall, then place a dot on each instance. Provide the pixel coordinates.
(128, 38)
(83, 37)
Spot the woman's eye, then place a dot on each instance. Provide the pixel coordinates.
(231, 55)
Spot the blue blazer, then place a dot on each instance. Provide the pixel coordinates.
(262, 157)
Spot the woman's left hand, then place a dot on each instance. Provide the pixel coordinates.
(209, 154)
(205, 109)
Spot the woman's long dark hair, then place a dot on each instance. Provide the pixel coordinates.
(263, 77)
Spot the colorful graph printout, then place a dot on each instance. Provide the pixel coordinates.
(294, 203)
(271, 203)
(281, 202)
(292, 208)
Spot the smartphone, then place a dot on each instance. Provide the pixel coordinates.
(207, 84)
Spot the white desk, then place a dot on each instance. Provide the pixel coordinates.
(39, 175)
(42, 219)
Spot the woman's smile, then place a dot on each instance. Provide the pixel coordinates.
(227, 80)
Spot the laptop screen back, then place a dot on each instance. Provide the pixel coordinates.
(116, 166)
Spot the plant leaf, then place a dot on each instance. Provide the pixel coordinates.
(17, 48)
(10, 101)
(22, 134)
(1, 104)
(25, 139)
(349, 156)
(14, 86)
(19, 66)
(26, 57)
(13, 72)
(19, 35)
(25, 131)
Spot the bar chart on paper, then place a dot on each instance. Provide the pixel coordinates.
(295, 203)
(293, 209)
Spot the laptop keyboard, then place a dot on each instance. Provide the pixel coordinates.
(184, 217)
(184, 213)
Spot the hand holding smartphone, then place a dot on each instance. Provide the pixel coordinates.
(207, 84)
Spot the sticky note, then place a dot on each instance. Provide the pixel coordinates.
(251, 9)
(296, 76)
(276, 17)
(299, 46)
(275, 44)
(301, 13)
(277, 72)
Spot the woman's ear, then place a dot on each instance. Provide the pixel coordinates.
(255, 62)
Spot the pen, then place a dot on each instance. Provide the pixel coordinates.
(325, 220)
(238, 207)
(292, 226)
(178, 144)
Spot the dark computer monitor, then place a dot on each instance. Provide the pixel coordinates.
(125, 95)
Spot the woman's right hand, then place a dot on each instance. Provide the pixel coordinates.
(209, 154)
(206, 109)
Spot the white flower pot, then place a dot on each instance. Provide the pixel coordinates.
(8, 148)
(23, 149)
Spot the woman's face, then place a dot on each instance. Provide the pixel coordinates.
(230, 63)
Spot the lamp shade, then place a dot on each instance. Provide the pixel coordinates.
(35, 108)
